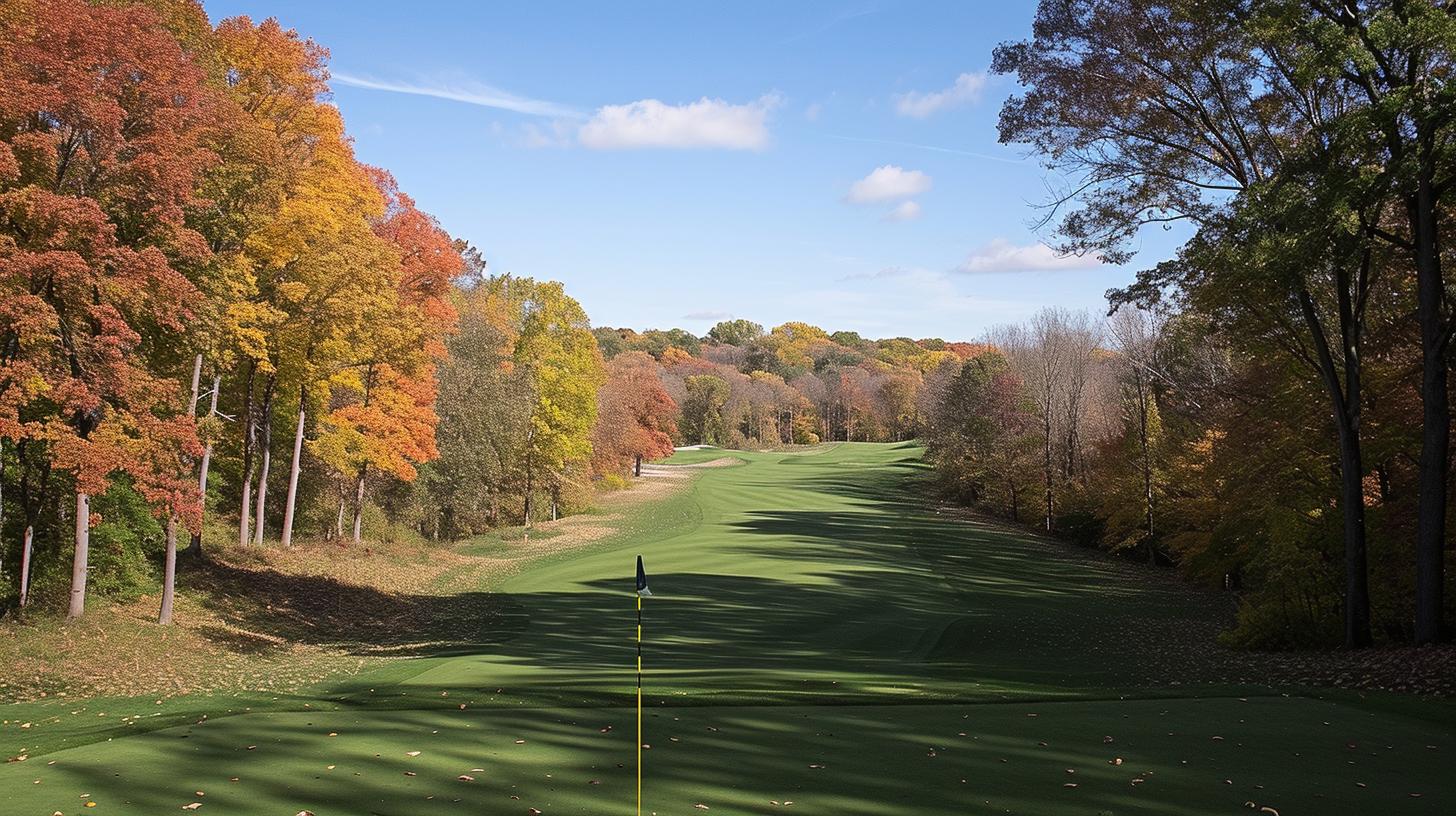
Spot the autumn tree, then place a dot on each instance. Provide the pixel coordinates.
(636, 418)
(101, 127)
(1182, 111)
(979, 433)
(1389, 63)
(702, 422)
(484, 407)
(735, 332)
(562, 370)
(1137, 336)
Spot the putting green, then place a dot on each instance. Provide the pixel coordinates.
(816, 636)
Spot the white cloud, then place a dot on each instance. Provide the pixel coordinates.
(812, 112)
(907, 211)
(706, 123)
(967, 88)
(888, 183)
(462, 90)
(1000, 255)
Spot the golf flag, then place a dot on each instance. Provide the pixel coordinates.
(641, 591)
(642, 579)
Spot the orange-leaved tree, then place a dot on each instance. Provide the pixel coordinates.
(383, 419)
(636, 418)
(101, 123)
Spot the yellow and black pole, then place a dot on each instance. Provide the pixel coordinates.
(641, 591)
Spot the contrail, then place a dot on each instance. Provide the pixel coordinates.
(951, 150)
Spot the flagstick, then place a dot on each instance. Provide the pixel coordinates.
(639, 705)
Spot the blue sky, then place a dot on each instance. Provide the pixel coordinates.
(677, 163)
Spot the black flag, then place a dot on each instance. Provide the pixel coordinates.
(641, 578)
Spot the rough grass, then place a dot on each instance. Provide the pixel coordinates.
(270, 620)
(817, 635)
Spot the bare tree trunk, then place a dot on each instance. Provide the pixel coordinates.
(339, 521)
(1435, 419)
(80, 559)
(359, 506)
(246, 511)
(1147, 457)
(25, 548)
(1345, 400)
(266, 444)
(169, 573)
(637, 466)
(288, 503)
(206, 463)
(260, 502)
(196, 383)
(1047, 464)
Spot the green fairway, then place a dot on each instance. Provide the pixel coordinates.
(819, 634)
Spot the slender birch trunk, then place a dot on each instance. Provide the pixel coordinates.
(265, 443)
(339, 521)
(169, 573)
(359, 505)
(293, 467)
(206, 463)
(79, 561)
(25, 564)
(245, 511)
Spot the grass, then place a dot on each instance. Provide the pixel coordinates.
(817, 635)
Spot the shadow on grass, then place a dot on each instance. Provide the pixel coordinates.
(265, 608)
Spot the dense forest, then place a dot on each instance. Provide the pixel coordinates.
(217, 323)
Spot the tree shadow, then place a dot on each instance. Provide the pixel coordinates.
(264, 609)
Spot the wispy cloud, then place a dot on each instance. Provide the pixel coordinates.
(842, 17)
(907, 211)
(933, 148)
(888, 183)
(886, 273)
(469, 91)
(706, 123)
(556, 133)
(966, 89)
(1000, 255)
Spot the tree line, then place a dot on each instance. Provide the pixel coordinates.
(1308, 147)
